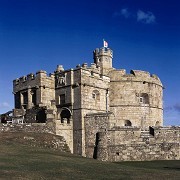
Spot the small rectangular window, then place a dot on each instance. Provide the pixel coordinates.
(141, 99)
(62, 99)
(25, 97)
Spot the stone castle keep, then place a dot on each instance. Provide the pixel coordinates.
(102, 112)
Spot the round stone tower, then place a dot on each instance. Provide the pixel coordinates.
(103, 58)
(136, 98)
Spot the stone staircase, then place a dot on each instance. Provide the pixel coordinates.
(146, 134)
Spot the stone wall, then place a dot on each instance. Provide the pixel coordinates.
(65, 129)
(94, 124)
(36, 135)
(108, 142)
(35, 127)
(136, 145)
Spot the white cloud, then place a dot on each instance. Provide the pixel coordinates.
(140, 16)
(147, 18)
(125, 13)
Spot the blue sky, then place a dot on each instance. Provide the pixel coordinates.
(40, 34)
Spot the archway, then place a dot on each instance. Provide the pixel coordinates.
(41, 116)
(65, 115)
(96, 146)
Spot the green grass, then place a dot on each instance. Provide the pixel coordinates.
(20, 160)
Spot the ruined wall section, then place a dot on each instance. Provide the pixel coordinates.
(28, 127)
(131, 144)
(34, 137)
(136, 97)
(65, 129)
(94, 124)
(34, 90)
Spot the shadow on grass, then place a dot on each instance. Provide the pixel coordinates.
(172, 168)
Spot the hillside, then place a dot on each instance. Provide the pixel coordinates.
(32, 156)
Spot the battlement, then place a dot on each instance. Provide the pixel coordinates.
(32, 77)
(93, 67)
(103, 52)
(92, 71)
(135, 75)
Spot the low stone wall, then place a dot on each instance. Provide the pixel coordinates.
(36, 135)
(66, 130)
(164, 145)
(35, 127)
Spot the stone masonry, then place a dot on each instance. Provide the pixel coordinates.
(102, 112)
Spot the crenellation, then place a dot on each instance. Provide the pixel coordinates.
(85, 65)
(31, 76)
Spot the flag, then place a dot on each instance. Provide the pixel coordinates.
(105, 43)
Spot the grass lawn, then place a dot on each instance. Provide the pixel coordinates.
(23, 161)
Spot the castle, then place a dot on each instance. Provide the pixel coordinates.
(102, 112)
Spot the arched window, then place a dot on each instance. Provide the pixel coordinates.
(96, 95)
(127, 123)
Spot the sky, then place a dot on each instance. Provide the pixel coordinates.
(41, 34)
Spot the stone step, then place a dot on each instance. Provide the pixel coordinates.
(145, 134)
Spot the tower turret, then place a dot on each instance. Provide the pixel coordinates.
(103, 58)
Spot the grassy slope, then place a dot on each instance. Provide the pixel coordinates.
(19, 160)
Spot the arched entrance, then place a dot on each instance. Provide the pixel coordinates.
(41, 116)
(65, 115)
(96, 146)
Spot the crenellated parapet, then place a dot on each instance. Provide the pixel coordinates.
(102, 52)
(103, 58)
(135, 75)
(32, 80)
(34, 89)
(93, 67)
(92, 71)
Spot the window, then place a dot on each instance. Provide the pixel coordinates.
(25, 97)
(127, 123)
(62, 99)
(17, 100)
(33, 93)
(96, 95)
(144, 98)
(141, 99)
